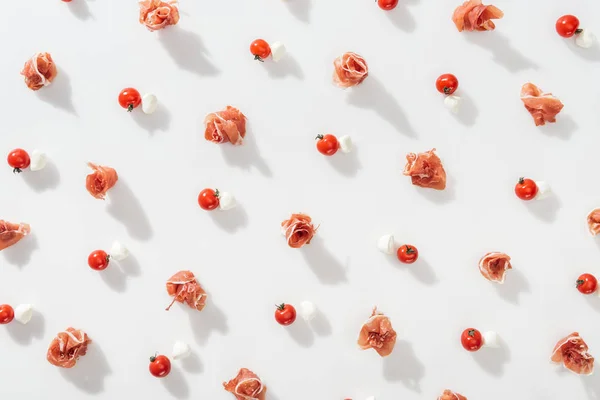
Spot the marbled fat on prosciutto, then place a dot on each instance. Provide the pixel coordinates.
(67, 347)
(246, 386)
(350, 69)
(157, 14)
(572, 352)
(493, 266)
(11, 233)
(101, 180)
(228, 125)
(425, 170)
(543, 107)
(472, 15)
(184, 288)
(39, 71)
(377, 333)
(298, 230)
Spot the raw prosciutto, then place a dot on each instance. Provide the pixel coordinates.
(11, 233)
(543, 107)
(298, 230)
(101, 180)
(593, 220)
(450, 395)
(474, 16)
(426, 170)
(184, 288)
(67, 347)
(350, 69)
(39, 71)
(246, 386)
(571, 351)
(493, 266)
(157, 14)
(377, 333)
(228, 125)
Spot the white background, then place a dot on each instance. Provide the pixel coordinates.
(203, 64)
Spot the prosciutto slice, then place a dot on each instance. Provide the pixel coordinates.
(426, 170)
(101, 180)
(572, 352)
(450, 395)
(593, 220)
(493, 266)
(298, 230)
(228, 125)
(377, 333)
(39, 71)
(11, 233)
(184, 288)
(350, 69)
(474, 16)
(543, 107)
(246, 386)
(157, 14)
(67, 347)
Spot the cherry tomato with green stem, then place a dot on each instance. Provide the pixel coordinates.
(526, 189)
(407, 254)
(208, 199)
(160, 366)
(6, 314)
(260, 49)
(567, 26)
(285, 314)
(446, 84)
(387, 4)
(471, 339)
(130, 98)
(327, 144)
(586, 283)
(98, 260)
(18, 160)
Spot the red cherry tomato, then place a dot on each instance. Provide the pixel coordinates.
(567, 26)
(260, 49)
(446, 84)
(587, 283)
(18, 159)
(67, 1)
(208, 199)
(387, 4)
(160, 366)
(130, 98)
(285, 314)
(471, 339)
(6, 314)
(327, 144)
(407, 254)
(526, 189)
(98, 260)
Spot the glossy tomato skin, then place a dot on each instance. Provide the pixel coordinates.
(98, 260)
(327, 144)
(446, 84)
(260, 49)
(526, 189)
(567, 26)
(587, 283)
(208, 199)
(285, 314)
(407, 254)
(18, 160)
(7, 314)
(387, 4)
(130, 98)
(471, 339)
(160, 366)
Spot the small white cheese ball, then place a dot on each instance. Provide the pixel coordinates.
(585, 39)
(277, 51)
(490, 339)
(23, 313)
(308, 310)
(386, 244)
(345, 144)
(226, 201)
(39, 159)
(452, 103)
(118, 251)
(543, 190)
(149, 103)
(181, 350)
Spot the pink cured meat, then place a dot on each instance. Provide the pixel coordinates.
(39, 71)
(572, 352)
(67, 347)
(472, 15)
(543, 107)
(101, 180)
(298, 230)
(426, 170)
(184, 288)
(228, 125)
(350, 69)
(246, 386)
(593, 220)
(493, 266)
(450, 395)
(11, 233)
(157, 14)
(377, 333)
